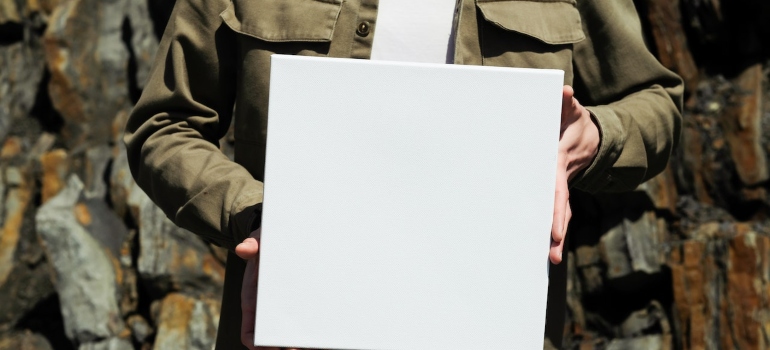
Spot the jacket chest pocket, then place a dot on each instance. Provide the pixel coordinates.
(302, 27)
(529, 33)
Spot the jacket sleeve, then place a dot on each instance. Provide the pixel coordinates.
(635, 101)
(172, 136)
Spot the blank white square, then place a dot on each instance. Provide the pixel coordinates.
(407, 205)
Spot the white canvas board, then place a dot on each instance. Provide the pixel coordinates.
(407, 205)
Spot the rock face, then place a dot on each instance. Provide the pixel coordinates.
(88, 262)
(681, 263)
(22, 72)
(721, 287)
(24, 271)
(88, 295)
(84, 254)
(88, 63)
(670, 40)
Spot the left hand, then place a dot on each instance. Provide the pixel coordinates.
(249, 250)
(578, 145)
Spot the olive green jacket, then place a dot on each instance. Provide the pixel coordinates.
(213, 67)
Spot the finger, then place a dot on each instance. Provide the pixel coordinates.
(566, 103)
(557, 248)
(571, 110)
(247, 249)
(555, 254)
(567, 93)
(561, 198)
(249, 303)
(567, 218)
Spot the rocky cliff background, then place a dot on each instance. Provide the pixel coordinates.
(88, 262)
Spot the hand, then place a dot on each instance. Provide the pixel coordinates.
(578, 146)
(248, 250)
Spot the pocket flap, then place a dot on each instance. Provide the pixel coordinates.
(283, 20)
(550, 21)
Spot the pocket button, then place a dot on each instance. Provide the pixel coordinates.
(363, 29)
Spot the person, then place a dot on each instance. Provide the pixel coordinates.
(213, 66)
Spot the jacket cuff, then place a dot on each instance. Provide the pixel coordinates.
(597, 176)
(245, 216)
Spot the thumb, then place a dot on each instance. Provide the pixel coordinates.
(247, 249)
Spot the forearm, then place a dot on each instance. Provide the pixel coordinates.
(197, 187)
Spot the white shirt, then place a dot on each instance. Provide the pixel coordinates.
(414, 31)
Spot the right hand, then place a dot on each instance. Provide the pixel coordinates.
(578, 146)
(248, 250)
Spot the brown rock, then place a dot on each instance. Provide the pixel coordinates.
(14, 206)
(9, 12)
(25, 11)
(670, 40)
(575, 322)
(117, 132)
(614, 249)
(634, 246)
(720, 280)
(89, 295)
(26, 286)
(129, 293)
(108, 344)
(121, 182)
(727, 176)
(11, 148)
(648, 342)
(55, 169)
(742, 124)
(20, 77)
(88, 64)
(82, 215)
(650, 319)
(745, 307)
(24, 273)
(97, 218)
(756, 194)
(43, 144)
(662, 191)
(187, 323)
(140, 329)
(144, 44)
(25, 340)
(693, 273)
(592, 272)
(93, 170)
(693, 164)
(44, 7)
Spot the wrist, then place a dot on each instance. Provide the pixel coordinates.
(584, 154)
